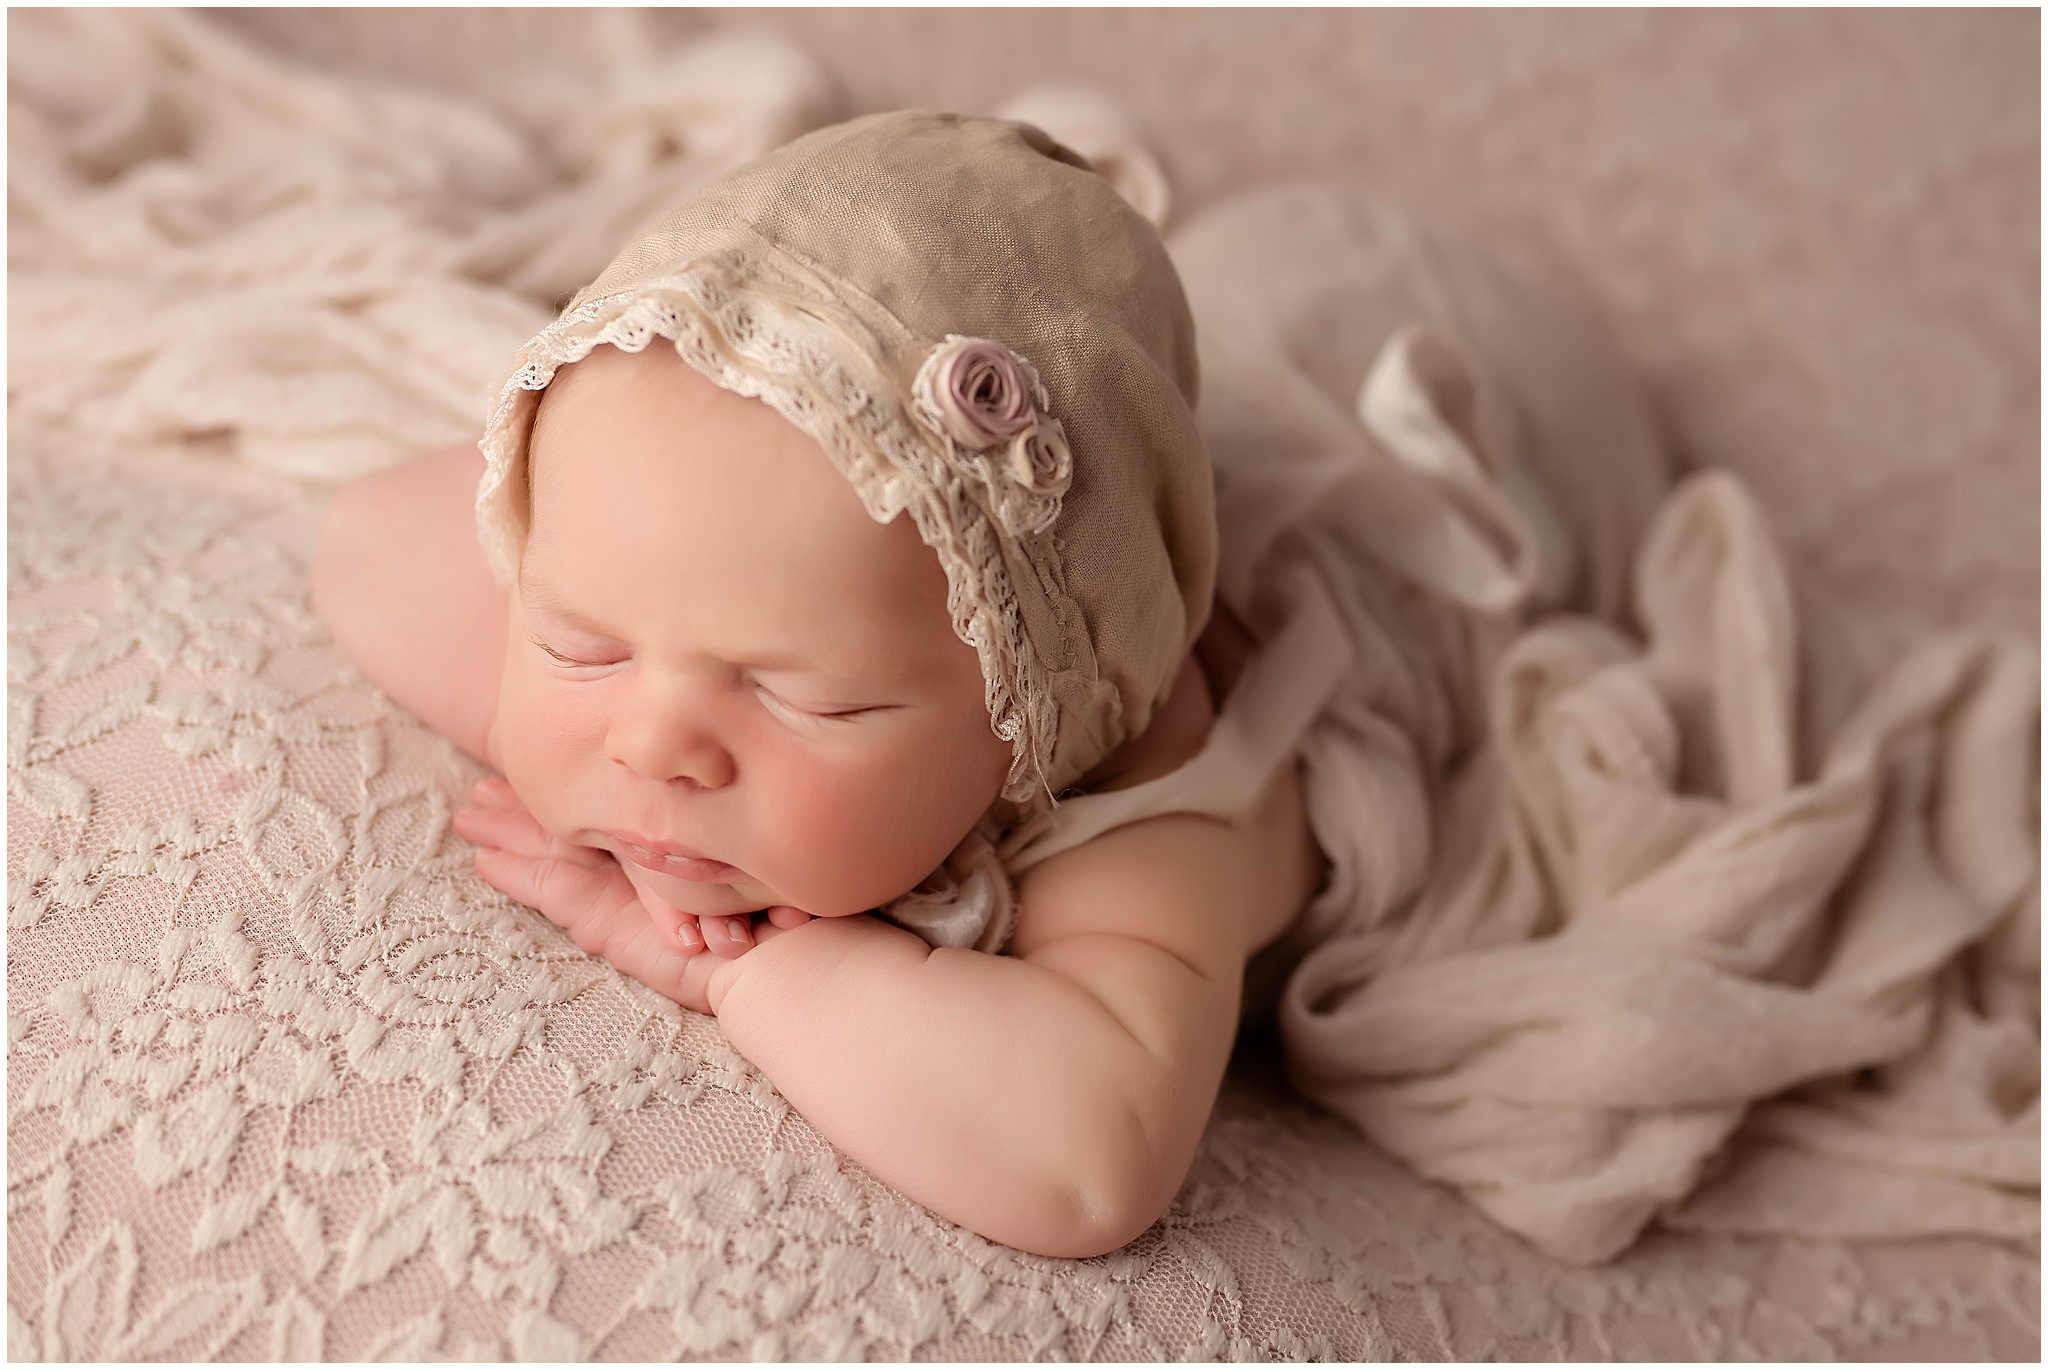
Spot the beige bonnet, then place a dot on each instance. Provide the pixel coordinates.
(979, 331)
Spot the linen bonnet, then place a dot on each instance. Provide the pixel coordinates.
(979, 332)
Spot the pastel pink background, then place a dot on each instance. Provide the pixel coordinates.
(1816, 234)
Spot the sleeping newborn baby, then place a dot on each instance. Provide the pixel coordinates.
(851, 521)
(874, 658)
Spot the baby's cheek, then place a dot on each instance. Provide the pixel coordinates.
(858, 839)
(546, 739)
(819, 846)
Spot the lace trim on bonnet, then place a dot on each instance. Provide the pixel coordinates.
(969, 506)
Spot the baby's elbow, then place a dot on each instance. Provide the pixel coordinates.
(1107, 1223)
(1110, 1190)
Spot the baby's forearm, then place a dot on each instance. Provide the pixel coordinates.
(1004, 1095)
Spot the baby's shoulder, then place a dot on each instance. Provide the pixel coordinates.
(1172, 739)
(1211, 889)
(1209, 886)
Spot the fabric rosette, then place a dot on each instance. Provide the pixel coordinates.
(981, 397)
(1040, 459)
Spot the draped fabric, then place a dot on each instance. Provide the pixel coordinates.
(1600, 882)
(328, 274)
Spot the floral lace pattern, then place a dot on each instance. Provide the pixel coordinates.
(287, 1081)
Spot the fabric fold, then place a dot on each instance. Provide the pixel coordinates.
(1610, 932)
(326, 275)
(1710, 948)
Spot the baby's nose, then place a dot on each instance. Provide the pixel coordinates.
(661, 742)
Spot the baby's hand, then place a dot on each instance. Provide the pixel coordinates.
(723, 936)
(584, 891)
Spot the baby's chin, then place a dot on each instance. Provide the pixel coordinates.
(841, 890)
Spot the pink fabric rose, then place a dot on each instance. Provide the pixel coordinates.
(982, 395)
(1041, 460)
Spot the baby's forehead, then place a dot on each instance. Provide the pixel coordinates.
(615, 405)
(608, 377)
(644, 450)
(646, 427)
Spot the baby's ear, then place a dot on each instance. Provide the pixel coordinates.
(1098, 128)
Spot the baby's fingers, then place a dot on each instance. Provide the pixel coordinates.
(680, 928)
(576, 897)
(600, 910)
(516, 830)
(729, 936)
(494, 792)
(780, 918)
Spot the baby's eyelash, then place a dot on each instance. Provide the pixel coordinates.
(565, 660)
(836, 715)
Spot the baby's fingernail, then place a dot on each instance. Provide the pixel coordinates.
(736, 929)
(690, 939)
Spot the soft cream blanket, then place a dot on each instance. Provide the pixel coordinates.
(1600, 888)
(329, 274)
(1622, 903)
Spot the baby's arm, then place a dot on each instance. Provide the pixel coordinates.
(1051, 1099)
(403, 586)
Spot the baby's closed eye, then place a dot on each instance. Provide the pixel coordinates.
(579, 654)
(797, 707)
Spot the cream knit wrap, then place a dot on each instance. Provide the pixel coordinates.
(828, 278)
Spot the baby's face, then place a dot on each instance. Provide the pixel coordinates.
(720, 668)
